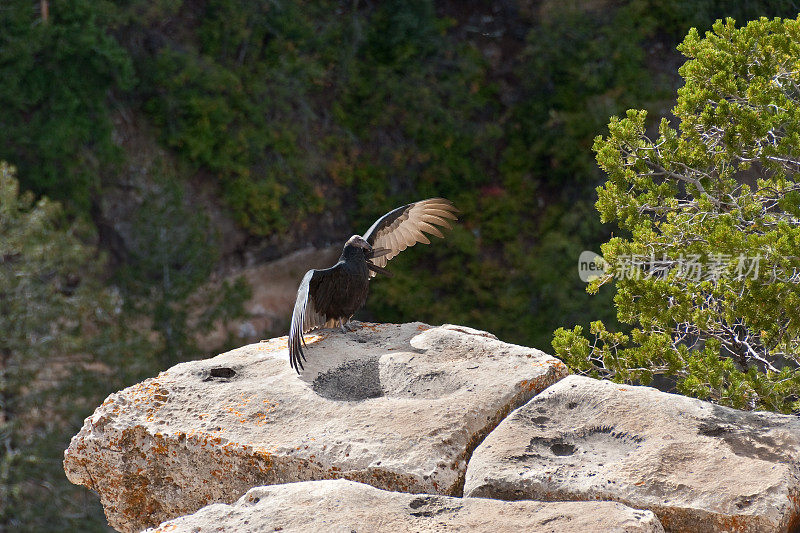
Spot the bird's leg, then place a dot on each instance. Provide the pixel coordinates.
(346, 325)
(350, 325)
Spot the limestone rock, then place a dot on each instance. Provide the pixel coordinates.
(348, 506)
(400, 407)
(698, 466)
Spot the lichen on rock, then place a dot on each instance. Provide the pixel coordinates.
(399, 407)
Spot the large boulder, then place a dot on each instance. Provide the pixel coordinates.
(400, 407)
(348, 506)
(698, 466)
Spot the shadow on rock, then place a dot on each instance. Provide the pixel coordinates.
(347, 366)
(357, 379)
(745, 433)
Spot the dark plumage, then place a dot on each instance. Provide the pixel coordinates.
(332, 295)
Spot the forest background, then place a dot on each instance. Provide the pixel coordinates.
(160, 147)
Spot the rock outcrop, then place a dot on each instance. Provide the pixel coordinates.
(403, 408)
(698, 466)
(348, 506)
(400, 407)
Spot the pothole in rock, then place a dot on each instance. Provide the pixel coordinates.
(429, 506)
(584, 448)
(219, 373)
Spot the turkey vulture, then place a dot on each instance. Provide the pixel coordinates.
(332, 295)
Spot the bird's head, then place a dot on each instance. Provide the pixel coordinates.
(359, 242)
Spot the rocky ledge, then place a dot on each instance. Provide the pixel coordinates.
(348, 506)
(448, 422)
(696, 465)
(399, 407)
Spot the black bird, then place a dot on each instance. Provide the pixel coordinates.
(332, 295)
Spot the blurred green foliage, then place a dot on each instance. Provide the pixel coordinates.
(170, 257)
(68, 337)
(63, 347)
(300, 108)
(54, 107)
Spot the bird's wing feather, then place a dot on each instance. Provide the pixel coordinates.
(305, 317)
(403, 227)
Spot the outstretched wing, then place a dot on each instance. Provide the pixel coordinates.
(305, 317)
(403, 227)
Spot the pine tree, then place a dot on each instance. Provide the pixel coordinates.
(709, 278)
(60, 353)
